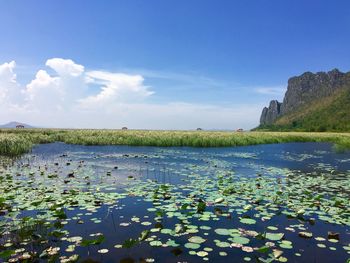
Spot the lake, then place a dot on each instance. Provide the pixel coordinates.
(279, 202)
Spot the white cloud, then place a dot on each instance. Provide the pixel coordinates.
(65, 67)
(10, 90)
(74, 97)
(277, 91)
(59, 92)
(116, 87)
(44, 92)
(7, 78)
(6, 72)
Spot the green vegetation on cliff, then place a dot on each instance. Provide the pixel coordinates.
(313, 102)
(328, 114)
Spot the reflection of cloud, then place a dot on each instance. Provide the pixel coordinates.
(66, 99)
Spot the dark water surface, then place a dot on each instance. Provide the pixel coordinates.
(151, 204)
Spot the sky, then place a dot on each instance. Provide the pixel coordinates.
(161, 64)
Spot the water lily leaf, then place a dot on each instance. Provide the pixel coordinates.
(192, 245)
(219, 200)
(274, 236)
(155, 243)
(196, 240)
(241, 240)
(286, 245)
(248, 221)
(222, 244)
(202, 253)
(223, 231)
(282, 259)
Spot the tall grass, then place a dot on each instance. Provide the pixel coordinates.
(15, 142)
(11, 144)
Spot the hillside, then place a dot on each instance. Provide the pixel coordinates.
(13, 124)
(313, 102)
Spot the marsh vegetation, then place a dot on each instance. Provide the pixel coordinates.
(18, 141)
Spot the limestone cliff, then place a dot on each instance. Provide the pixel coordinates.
(270, 114)
(304, 90)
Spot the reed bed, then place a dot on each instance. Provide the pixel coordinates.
(16, 142)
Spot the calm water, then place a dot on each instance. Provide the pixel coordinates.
(126, 192)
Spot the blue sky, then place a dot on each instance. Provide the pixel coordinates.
(216, 57)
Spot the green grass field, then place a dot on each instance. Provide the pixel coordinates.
(14, 142)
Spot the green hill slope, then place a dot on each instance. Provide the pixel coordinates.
(331, 113)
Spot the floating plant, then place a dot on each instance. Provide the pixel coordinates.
(195, 204)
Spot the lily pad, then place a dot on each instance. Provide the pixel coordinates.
(196, 240)
(274, 236)
(248, 221)
(192, 245)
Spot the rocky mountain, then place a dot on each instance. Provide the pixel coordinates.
(270, 114)
(306, 95)
(13, 124)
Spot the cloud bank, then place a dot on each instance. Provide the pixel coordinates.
(66, 95)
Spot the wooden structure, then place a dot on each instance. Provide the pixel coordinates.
(124, 128)
(239, 130)
(19, 126)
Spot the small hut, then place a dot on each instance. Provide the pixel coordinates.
(199, 129)
(124, 128)
(19, 126)
(239, 130)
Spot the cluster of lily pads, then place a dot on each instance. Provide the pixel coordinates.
(194, 204)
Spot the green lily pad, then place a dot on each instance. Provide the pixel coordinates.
(248, 221)
(240, 240)
(196, 240)
(192, 245)
(274, 236)
(202, 253)
(223, 231)
(222, 244)
(155, 243)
